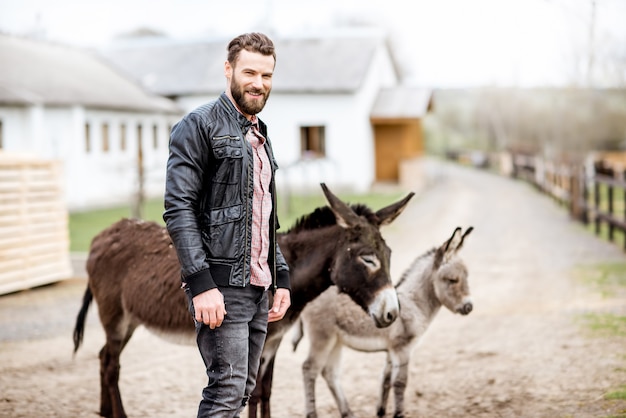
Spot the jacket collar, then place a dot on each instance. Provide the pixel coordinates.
(236, 114)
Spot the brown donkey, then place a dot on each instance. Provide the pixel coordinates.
(134, 276)
(439, 277)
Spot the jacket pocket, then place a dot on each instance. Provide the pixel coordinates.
(221, 233)
(227, 172)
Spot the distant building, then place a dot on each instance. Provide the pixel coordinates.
(337, 111)
(63, 103)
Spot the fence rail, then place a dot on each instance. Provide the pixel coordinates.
(592, 193)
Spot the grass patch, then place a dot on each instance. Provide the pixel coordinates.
(619, 393)
(85, 225)
(610, 280)
(607, 278)
(606, 324)
(618, 235)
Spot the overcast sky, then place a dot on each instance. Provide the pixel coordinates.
(444, 43)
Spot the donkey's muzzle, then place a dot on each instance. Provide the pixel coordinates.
(385, 308)
(466, 308)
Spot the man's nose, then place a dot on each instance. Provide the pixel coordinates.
(257, 81)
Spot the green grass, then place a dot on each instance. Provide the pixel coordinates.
(85, 225)
(619, 212)
(619, 393)
(619, 199)
(607, 278)
(605, 324)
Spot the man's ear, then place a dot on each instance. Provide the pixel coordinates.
(228, 70)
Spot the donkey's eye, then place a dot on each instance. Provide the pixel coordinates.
(370, 261)
(452, 280)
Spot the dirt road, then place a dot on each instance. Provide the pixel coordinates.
(523, 352)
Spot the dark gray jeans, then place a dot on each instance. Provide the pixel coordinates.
(232, 352)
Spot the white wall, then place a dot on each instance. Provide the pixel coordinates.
(350, 159)
(99, 178)
(95, 178)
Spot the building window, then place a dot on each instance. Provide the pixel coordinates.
(139, 138)
(123, 137)
(312, 141)
(155, 137)
(87, 138)
(105, 137)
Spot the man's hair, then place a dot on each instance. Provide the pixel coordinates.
(252, 42)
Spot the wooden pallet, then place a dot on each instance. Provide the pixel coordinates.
(34, 235)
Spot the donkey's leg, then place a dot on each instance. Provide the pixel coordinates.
(385, 386)
(263, 389)
(332, 375)
(266, 389)
(399, 379)
(110, 396)
(262, 392)
(253, 402)
(320, 346)
(105, 401)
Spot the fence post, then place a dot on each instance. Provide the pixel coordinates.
(624, 197)
(585, 196)
(578, 192)
(596, 197)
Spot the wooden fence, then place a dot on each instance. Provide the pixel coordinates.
(591, 193)
(34, 236)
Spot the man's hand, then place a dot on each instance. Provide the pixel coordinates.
(282, 301)
(209, 308)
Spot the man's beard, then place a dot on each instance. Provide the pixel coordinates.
(249, 107)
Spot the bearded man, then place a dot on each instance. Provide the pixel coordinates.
(220, 211)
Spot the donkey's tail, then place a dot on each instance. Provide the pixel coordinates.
(297, 334)
(80, 319)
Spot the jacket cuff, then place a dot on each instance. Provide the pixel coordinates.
(282, 279)
(200, 282)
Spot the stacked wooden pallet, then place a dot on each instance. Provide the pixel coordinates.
(34, 237)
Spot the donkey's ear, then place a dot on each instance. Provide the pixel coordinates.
(344, 214)
(465, 234)
(389, 213)
(452, 245)
(443, 253)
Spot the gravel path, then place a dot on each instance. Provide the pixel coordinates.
(522, 352)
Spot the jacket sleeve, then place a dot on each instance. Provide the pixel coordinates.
(282, 270)
(188, 159)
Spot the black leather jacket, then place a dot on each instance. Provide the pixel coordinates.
(208, 198)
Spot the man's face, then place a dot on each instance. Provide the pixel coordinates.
(250, 81)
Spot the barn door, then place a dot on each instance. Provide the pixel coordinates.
(389, 151)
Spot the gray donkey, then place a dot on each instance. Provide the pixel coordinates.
(438, 277)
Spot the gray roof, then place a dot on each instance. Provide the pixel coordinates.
(304, 65)
(402, 102)
(34, 72)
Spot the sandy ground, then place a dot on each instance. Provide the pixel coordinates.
(522, 352)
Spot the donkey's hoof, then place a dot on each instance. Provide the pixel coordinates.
(380, 412)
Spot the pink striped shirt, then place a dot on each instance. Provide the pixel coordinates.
(260, 274)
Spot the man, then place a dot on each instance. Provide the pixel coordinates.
(220, 210)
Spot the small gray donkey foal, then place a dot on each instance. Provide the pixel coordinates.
(438, 277)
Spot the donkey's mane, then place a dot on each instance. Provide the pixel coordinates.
(324, 216)
(415, 262)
